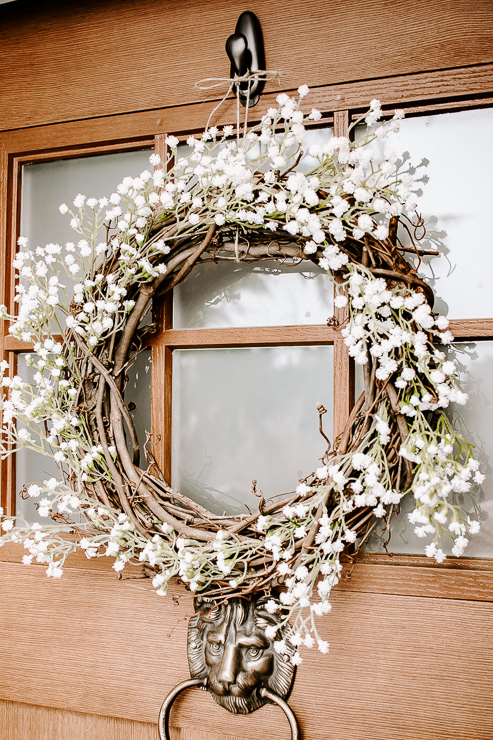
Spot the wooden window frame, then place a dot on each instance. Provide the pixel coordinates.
(422, 93)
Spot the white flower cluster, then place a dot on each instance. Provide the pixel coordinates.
(228, 188)
(438, 477)
(394, 328)
(109, 533)
(217, 183)
(46, 409)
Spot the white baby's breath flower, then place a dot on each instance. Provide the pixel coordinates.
(340, 301)
(280, 646)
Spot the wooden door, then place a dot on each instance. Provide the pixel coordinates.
(93, 656)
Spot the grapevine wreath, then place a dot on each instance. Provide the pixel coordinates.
(239, 197)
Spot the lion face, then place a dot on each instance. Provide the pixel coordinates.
(227, 644)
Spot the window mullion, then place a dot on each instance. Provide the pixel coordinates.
(343, 365)
(161, 398)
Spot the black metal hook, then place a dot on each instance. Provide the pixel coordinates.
(245, 48)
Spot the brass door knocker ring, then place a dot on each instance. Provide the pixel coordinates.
(231, 654)
(163, 722)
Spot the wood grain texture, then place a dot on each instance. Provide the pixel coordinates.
(471, 328)
(5, 493)
(400, 575)
(162, 368)
(458, 87)
(343, 387)
(258, 336)
(343, 364)
(341, 122)
(19, 721)
(12, 553)
(414, 581)
(182, 733)
(10, 218)
(421, 561)
(399, 667)
(114, 57)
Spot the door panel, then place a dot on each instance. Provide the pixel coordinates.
(19, 721)
(92, 657)
(399, 667)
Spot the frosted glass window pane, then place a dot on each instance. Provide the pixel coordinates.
(260, 294)
(475, 361)
(456, 204)
(244, 414)
(314, 137)
(47, 184)
(31, 467)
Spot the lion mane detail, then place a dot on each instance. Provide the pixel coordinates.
(228, 646)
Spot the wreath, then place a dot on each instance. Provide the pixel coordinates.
(239, 197)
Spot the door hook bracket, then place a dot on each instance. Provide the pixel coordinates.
(245, 48)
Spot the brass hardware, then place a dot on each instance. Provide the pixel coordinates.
(163, 722)
(231, 657)
(227, 645)
(293, 722)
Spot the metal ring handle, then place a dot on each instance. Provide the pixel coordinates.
(163, 721)
(293, 723)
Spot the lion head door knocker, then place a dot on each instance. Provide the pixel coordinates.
(231, 656)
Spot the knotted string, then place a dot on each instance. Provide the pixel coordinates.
(209, 83)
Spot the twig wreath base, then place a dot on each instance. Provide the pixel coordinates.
(347, 215)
